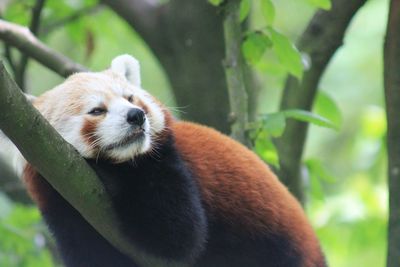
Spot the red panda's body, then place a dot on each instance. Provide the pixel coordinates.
(241, 192)
(196, 197)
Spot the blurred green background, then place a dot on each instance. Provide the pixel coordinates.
(347, 192)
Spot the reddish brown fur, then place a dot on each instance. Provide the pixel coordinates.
(168, 120)
(88, 131)
(236, 184)
(37, 187)
(140, 103)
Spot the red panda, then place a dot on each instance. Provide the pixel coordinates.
(182, 192)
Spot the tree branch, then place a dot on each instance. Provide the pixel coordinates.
(392, 97)
(234, 62)
(323, 36)
(21, 38)
(34, 28)
(62, 166)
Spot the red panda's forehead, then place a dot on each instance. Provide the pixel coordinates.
(98, 83)
(92, 88)
(82, 92)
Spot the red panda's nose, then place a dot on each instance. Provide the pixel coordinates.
(136, 117)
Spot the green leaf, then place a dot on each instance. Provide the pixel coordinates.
(275, 124)
(316, 168)
(54, 10)
(266, 149)
(18, 11)
(244, 9)
(268, 11)
(317, 173)
(18, 231)
(287, 53)
(324, 4)
(215, 2)
(326, 107)
(316, 187)
(310, 117)
(254, 46)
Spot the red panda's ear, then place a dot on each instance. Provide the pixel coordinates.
(128, 67)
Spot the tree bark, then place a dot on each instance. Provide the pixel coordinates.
(234, 71)
(323, 36)
(187, 38)
(62, 166)
(392, 97)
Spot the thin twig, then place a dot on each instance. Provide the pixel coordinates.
(36, 14)
(234, 62)
(34, 28)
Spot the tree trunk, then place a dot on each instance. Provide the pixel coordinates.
(187, 38)
(323, 36)
(392, 97)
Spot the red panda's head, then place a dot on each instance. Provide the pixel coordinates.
(105, 114)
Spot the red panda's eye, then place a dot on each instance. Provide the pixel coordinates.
(97, 111)
(130, 98)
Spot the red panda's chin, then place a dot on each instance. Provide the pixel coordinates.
(136, 137)
(130, 149)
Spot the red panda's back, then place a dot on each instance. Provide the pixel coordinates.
(240, 189)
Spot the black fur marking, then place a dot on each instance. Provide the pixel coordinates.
(157, 202)
(78, 242)
(229, 247)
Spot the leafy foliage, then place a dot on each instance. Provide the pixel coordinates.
(326, 107)
(317, 174)
(287, 53)
(257, 42)
(306, 116)
(254, 46)
(268, 11)
(324, 4)
(266, 149)
(273, 125)
(216, 2)
(244, 9)
(22, 242)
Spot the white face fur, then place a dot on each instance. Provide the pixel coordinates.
(90, 110)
